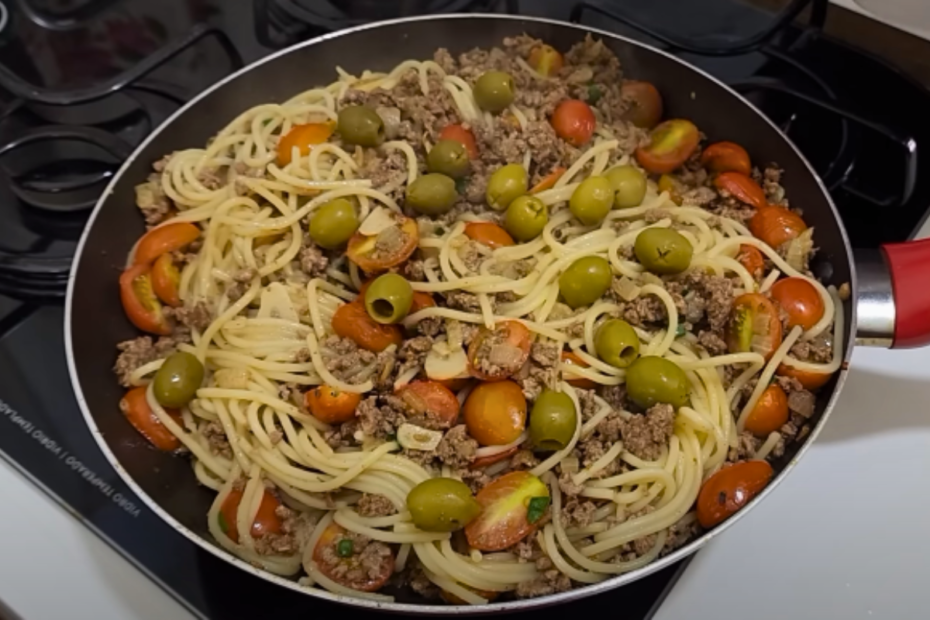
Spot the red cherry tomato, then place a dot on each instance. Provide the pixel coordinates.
(495, 413)
(165, 280)
(574, 122)
(488, 234)
(548, 181)
(460, 134)
(353, 321)
(504, 348)
(546, 60)
(645, 103)
(431, 399)
(770, 412)
(571, 359)
(751, 258)
(800, 301)
(139, 301)
(776, 225)
(349, 571)
(303, 137)
(670, 145)
(136, 409)
(162, 240)
(754, 326)
(266, 520)
(741, 187)
(505, 518)
(726, 157)
(724, 493)
(331, 405)
(364, 251)
(809, 380)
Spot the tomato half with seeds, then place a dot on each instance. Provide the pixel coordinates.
(495, 354)
(546, 60)
(140, 303)
(488, 234)
(165, 280)
(162, 240)
(724, 493)
(303, 137)
(741, 187)
(331, 405)
(644, 103)
(808, 379)
(495, 413)
(387, 249)
(512, 506)
(754, 326)
(462, 135)
(352, 321)
(266, 520)
(343, 565)
(548, 181)
(769, 413)
(751, 258)
(776, 225)
(670, 145)
(136, 409)
(726, 157)
(572, 359)
(800, 301)
(432, 400)
(574, 122)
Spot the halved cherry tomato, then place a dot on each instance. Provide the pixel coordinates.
(571, 359)
(303, 137)
(504, 520)
(574, 122)
(488, 234)
(670, 145)
(548, 181)
(741, 187)
(724, 493)
(754, 326)
(726, 157)
(770, 412)
(139, 301)
(165, 280)
(266, 519)
(505, 348)
(800, 301)
(483, 461)
(136, 409)
(460, 134)
(331, 405)
(420, 301)
(388, 249)
(349, 571)
(353, 321)
(456, 385)
(751, 258)
(430, 399)
(495, 413)
(546, 60)
(669, 183)
(776, 225)
(810, 380)
(454, 600)
(645, 103)
(162, 240)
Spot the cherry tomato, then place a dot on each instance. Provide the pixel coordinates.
(754, 326)
(751, 258)
(645, 109)
(571, 359)
(401, 241)
(546, 60)
(331, 405)
(136, 409)
(810, 380)
(505, 348)
(548, 181)
(800, 301)
(139, 301)
(495, 413)
(669, 183)
(162, 240)
(420, 301)
(741, 187)
(488, 234)
(484, 461)
(431, 399)
(726, 157)
(303, 137)
(454, 600)
(574, 122)
(456, 385)
(724, 493)
(670, 145)
(266, 519)
(770, 412)
(352, 321)
(349, 571)
(505, 505)
(460, 134)
(776, 225)
(165, 280)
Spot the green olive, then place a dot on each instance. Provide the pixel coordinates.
(333, 224)
(663, 251)
(388, 298)
(525, 218)
(629, 185)
(178, 379)
(585, 281)
(450, 158)
(432, 194)
(591, 200)
(553, 421)
(360, 125)
(616, 343)
(494, 91)
(442, 505)
(505, 185)
(652, 379)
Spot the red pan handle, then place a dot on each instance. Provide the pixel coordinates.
(909, 266)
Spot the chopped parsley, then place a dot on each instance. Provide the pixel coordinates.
(221, 520)
(536, 509)
(461, 184)
(680, 331)
(594, 93)
(344, 548)
(439, 230)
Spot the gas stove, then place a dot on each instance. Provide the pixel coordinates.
(82, 82)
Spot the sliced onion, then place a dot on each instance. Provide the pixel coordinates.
(798, 250)
(413, 437)
(627, 289)
(379, 220)
(492, 450)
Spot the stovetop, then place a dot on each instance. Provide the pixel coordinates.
(83, 81)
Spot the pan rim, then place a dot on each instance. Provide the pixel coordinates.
(509, 606)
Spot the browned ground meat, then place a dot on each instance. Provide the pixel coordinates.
(386, 167)
(460, 300)
(746, 446)
(577, 513)
(645, 435)
(819, 350)
(413, 352)
(199, 316)
(549, 582)
(152, 201)
(313, 261)
(372, 505)
(140, 351)
(216, 439)
(380, 416)
(366, 562)
(345, 359)
(457, 449)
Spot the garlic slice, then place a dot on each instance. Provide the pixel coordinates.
(413, 437)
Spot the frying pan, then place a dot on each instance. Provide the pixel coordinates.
(886, 308)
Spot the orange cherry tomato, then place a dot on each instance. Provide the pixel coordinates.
(506, 506)
(776, 225)
(460, 134)
(574, 122)
(741, 187)
(488, 234)
(165, 280)
(162, 240)
(420, 301)
(454, 600)
(800, 301)
(331, 405)
(548, 181)
(398, 243)
(352, 321)
(505, 348)
(670, 145)
(483, 461)
(724, 493)
(303, 137)
(645, 103)
(770, 412)
(136, 409)
(266, 519)
(751, 258)
(810, 380)
(456, 385)
(754, 326)
(349, 571)
(431, 399)
(139, 301)
(495, 413)
(571, 359)
(726, 157)
(546, 60)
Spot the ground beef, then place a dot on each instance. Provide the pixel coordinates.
(373, 505)
(546, 354)
(431, 327)
(457, 449)
(549, 582)
(712, 342)
(345, 359)
(645, 435)
(386, 169)
(527, 549)
(615, 395)
(153, 202)
(211, 178)
(199, 316)
(294, 529)
(421, 584)
(802, 403)
(139, 352)
(566, 485)
(729, 207)
(578, 513)
(524, 459)
(414, 270)
(379, 416)
(644, 311)
(216, 438)
(747, 445)
(476, 479)
(680, 533)
(343, 435)
(313, 261)
(471, 255)
(366, 562)
(413, 352)
(460, 300)
(708, 298)
(819, 350)
(771, 184)
(533, 379)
